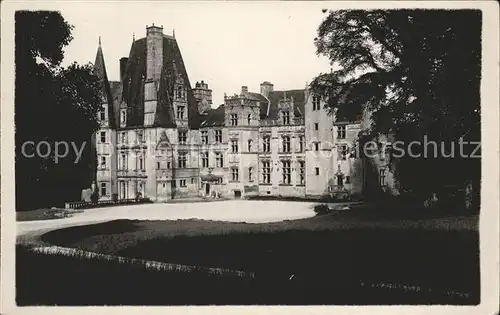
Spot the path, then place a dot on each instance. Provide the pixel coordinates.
(248, 211)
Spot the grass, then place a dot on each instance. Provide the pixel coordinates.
(342, 257)
(44, 214)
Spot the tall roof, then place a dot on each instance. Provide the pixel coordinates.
(268, 107)
(299, 99)
(133, 85)
(100, 71)
(213, 117)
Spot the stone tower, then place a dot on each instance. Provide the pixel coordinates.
(203, 96)
(242, 120)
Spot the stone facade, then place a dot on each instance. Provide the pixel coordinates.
(162, 139)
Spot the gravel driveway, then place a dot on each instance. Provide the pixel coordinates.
(231, 211)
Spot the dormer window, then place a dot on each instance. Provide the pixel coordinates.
(123, 117)
(286, 118)
(316, 102)
(180, 92)
(234, 119)
(102, 115)
(180, 112)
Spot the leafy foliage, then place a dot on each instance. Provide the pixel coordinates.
(52, 104)
(417, 73)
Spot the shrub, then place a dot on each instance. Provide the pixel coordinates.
(321, 209)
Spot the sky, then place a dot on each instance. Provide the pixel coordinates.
(226, 44)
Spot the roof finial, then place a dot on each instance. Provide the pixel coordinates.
(99, 40)
(173, 32)
(133, 37)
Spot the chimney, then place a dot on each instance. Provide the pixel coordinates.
(154, 55)
(244, 89)
(266, 87)
(123, 67)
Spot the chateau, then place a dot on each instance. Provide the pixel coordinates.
(161, 138)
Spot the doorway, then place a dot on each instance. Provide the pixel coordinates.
(207, 189)
(237, 194)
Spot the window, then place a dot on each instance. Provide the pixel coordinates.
(234, 146)
(123, 117)
(316, 170)
(102, 114)
(124, 161)
(141, 163)
(340, 180)
(180, 112)
(181, 159)
(286, 118)
(316, 102)
(316, 126)
(316, 146)
(341, 132)
(182, 183)
(158, 165)
(302, 171)
(123, 137)
(140, 136)
(169, 165)
(286, 143)
(204, 159)
(104, 190)
(220, 180)
(348, 179)
(249, 118)
(103, 137)
(182, 137)
(234, 174)
(267, 144)
(382, 151)
(193, 181)
(286, 171)
(218, 136)
(234, 119)
(301, 143)
(173, 184)
(343, 152)
(266, 172)
(250, 145)
(219, 159)
(180, 92)
(204, 137)
(382, 177)
(103, 162)
(250, 174)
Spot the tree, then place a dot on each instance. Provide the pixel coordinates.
(417, 72)
(52, 104)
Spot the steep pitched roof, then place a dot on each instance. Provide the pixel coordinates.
(213, 117)
(299, 99)
(133, 85)
(100, 71)
(263, 102)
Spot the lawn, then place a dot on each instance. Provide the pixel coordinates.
(337, 258)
